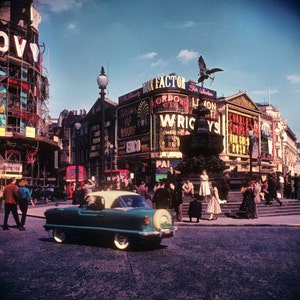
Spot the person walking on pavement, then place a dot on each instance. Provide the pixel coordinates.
(11, 197)
(24, 197)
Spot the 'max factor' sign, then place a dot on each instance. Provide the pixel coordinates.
(164, 82)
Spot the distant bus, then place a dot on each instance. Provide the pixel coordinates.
(71, 178)
(71, 173)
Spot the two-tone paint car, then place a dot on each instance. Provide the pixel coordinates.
(124, 217)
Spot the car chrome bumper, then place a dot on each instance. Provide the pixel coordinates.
(163, 233)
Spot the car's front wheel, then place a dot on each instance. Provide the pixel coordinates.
(59, 235)
(121, 241)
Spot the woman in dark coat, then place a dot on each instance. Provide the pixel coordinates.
(248, 207)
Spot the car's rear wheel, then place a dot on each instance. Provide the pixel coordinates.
(59, 235)
(121, 241)
(162, 219)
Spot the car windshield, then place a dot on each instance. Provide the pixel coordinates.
(131, 201)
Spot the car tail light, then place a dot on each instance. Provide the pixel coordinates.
(147, 220)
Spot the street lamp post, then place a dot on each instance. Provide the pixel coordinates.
(77, 127)
(102, 83)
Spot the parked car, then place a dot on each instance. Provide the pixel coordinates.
(34, 191)
(50, 193)
(124, 217)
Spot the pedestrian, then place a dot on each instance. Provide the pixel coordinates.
(79, 194)
(118, 182)
(247, 207)
(265, 191)
(127, 185)
(161, 197)
(280, 186)
(195, 209)
(1, 196)
(88, 186)
(257, 193)
(225, 184)
(11, 197)
(177, 199)
(188, 188)
(272, 189)
(213, 206)
(204, 190)
(296, 186)
(143, 190)
(287, 189)
(171, 175)
(24, 198)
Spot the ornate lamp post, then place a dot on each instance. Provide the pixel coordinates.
(102, 83)
(77, 127)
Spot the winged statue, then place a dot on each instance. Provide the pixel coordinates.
(204, 72)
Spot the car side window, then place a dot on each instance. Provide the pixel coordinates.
(116, 204)
(95, 203)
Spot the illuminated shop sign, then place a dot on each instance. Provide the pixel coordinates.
(134, 119)
(164, 82)
(140, 145)
(132, 96)
(191, 87)
(182, 103)
(18, 46)
(238, 129)
(184, 122)
(169, 101)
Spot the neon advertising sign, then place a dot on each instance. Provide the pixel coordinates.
(238, 129)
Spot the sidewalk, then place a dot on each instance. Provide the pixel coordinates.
(288, 220)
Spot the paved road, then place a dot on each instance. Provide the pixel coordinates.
(206, 262)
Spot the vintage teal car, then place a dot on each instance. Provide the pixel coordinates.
(122, 216)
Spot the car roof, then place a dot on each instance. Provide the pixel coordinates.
(111, 196)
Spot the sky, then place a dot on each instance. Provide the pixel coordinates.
(255, 42)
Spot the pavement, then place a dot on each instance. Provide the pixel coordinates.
(281, 220)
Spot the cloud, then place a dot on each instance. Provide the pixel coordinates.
(185, 56)
(293, 78)
(149, 55)
(58, 6)
(71, 27)
(159, 63)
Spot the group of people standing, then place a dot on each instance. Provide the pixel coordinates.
(256, 191)
(208, 192)
(14, 195)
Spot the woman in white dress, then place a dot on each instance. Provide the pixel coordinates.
(204, 189)
(213, 206)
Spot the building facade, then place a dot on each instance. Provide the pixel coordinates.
(26, 149)
(142, 132)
